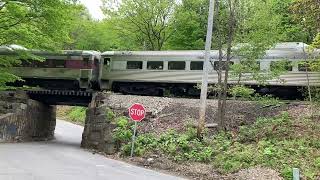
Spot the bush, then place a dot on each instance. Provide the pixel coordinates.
(266, 128)
(241, 91)
(270, 142)
(178, 147)
(122, 134)
(267, 100)
(110, 115)
(77, 114)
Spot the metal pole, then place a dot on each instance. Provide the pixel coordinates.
(204, 86)
(133, 138)
(296, 174)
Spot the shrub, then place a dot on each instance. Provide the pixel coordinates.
(123, 132)
(241, 91)
(267, 100)
(270, 142)
(77, 114)
(110, 115)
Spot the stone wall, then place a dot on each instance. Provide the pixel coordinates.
(98, 129)
(23, 119)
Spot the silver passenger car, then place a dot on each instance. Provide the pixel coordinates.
(185, 67)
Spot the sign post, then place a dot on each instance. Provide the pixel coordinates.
(137, 113)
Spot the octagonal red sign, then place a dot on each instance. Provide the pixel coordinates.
(137, 112)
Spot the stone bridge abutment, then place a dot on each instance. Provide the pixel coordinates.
(24, 119)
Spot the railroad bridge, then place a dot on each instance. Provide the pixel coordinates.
(61, 97)
(31, 115)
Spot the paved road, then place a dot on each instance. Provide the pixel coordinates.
(63, 159)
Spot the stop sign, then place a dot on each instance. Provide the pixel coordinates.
(137, 112)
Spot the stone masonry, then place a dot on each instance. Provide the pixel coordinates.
(23, 119)
(98, 129)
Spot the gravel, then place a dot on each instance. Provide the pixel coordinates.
(175, 113)
(257, 173)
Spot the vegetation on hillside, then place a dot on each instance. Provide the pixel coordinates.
(281, 143)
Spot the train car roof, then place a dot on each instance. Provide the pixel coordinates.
(292, 50)
(160, 53)
(12, 49)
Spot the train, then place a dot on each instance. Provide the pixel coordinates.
(69, 69)
(158, 72)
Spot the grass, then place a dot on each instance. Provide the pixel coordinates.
(74, 114)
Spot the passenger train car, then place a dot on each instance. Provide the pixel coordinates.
(154, 72)
(74, 69)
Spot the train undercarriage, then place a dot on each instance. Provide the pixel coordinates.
(191, 90)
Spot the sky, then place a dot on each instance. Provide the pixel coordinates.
(94, 8)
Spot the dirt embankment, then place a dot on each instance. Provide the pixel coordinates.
(174, 113)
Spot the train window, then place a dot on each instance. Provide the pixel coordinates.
(176, 65)
(134, 64)
(223, 65)
(37, 64)
(48, 63)
(308, 66)
(251, 65)
(281, 65)
(107, 61)
(86, 62)
(155, 65)
(196, 65)
(303, 67)
(58, 63)
(26, 63)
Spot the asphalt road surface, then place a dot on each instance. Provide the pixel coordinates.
(63, 159)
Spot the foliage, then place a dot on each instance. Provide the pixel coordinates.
(190, 25)
(35, 24)
(38, 24)
(266, 100)
(88, 34)
(269, 142)
(123, 132)
(180, 147)
(306, 13)
(291, 30)
(273, 143)
(316, 42)
(241, 91)
(213, 89)
(77, 115)
(110, 115)
(257, 31)
(145, 22)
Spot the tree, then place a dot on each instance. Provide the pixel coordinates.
(290, 30)
(145, 22)
(99, 36)
(189, 25)
(34, 23)
(39, 24)
(249, 26)
(307, 14)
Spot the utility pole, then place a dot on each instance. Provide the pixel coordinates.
(204, 86)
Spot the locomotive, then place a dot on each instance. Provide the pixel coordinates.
(156, 72)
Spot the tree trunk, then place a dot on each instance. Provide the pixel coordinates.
(219, 71)
(231, 30)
